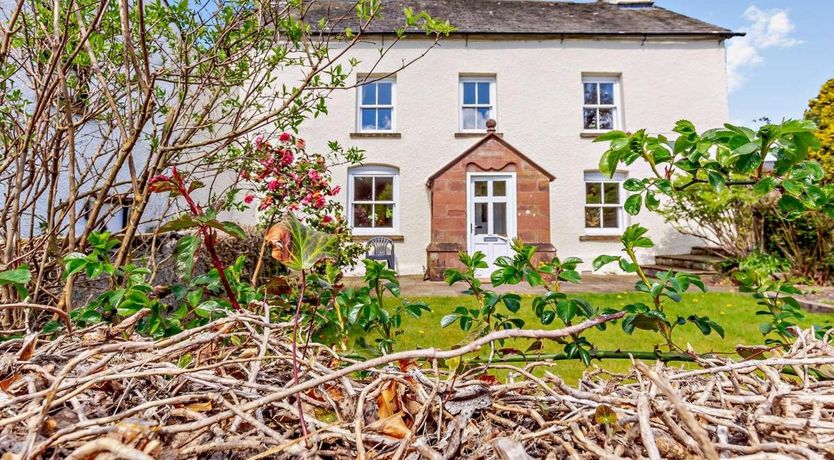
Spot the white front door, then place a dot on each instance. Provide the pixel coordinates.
(492, 216)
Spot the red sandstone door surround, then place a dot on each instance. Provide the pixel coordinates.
(453, 218)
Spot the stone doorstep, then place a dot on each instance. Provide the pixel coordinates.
(688, 261)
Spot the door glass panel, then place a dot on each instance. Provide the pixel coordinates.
(592, 219)
(480, 188)
(384, 215)
(481, 218)
(499, 219)
(499, 188)
(362, 186)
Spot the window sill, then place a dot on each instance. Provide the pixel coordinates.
(368, 237)
(600, 238)
(473, 134)
(593, 134)
(376, 135)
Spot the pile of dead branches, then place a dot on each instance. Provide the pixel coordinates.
(226, 390)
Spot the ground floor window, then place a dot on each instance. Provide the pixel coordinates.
(603, 203)
(373, 199)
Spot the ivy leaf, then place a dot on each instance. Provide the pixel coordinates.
(185, 254)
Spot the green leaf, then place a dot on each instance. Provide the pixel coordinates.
(633, 204)
(182, 222)
(185, 254)
(74, 262)
(512, 302)
(603, 260)
(716, 180)
(306, 245)
(764, 186)
(449, 319)
(566, 310)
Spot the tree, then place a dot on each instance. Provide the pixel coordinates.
(821, 111)
(99, 97)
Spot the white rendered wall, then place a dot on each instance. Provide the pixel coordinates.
(539, 111)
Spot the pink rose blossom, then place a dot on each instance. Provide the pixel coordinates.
(326, 219)
(272, 185)
(248, 198)
(313, 174)
(259, 141)
(320, 202)
(284, 137)
(287, 158)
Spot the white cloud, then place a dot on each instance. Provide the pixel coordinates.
(767, 29)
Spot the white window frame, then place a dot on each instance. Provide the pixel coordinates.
(596, 177)
(374, 171)
(392, 106)
(616, 106)
(493, 106)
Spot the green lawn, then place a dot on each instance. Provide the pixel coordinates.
(735, 312)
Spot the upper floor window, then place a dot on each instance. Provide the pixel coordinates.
(373, 195)
(604, 203)
(477, 102)
(376, 106)
(601, 103)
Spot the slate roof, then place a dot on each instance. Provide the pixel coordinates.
(531, 17)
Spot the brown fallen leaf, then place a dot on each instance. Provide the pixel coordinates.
(28, 348)
(199, 406)
(393, 426)
(279, 236)
(387, 401)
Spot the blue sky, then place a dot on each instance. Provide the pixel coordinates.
(787, 55)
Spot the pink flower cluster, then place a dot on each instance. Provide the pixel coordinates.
(286, 178)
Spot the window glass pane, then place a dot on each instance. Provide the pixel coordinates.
(469, 116)
(612, 193)
(606, 118)
(592, 192)
(610, 217)
(606, 93)
(481, 218)
(592, 219)
(483, 116)
(499, 188)
(384, 215)
(590, 93)
(384, 189)
(362, 215)
(468, 92)
(590, 119)
(369, 119)
(480, 188)
(483, 92)
(362, 186)
(369, 94)
(383, 119)
(499, 219)
(384, 93)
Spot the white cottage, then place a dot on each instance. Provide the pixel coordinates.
(440, 177)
